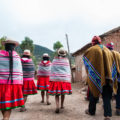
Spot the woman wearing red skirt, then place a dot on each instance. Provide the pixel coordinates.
(60, 78)
(43, 77)
(29, 87)
(11, 79)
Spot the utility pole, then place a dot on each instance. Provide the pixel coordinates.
(69, 56)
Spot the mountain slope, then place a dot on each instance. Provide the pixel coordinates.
(38, 51)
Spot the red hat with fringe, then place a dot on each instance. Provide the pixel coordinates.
(96, 40)
(110, 45)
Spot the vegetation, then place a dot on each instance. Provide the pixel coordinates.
(2, 39)
(37, 52)
(27, 44)
(40, 50)
(57, 45)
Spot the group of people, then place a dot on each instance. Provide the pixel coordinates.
(103, 76)
(17, 78)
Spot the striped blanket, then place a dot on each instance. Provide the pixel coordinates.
(4, 68)
(60, 70)
(100, 66)
(28, 69)
(44, 69)
(119, 78)
(116, 56)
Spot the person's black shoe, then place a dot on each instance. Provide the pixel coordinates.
(107, 118)
(88, 113)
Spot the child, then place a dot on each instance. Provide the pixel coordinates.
(29, 87)
(43, 77)
(11, 79)
(60, 78)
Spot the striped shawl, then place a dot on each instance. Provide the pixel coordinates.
(44, 69)
(4, 68)
(28, 69)
(60, 70)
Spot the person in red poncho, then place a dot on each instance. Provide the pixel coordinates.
(43, 75)
(11, 79)
(29, 87)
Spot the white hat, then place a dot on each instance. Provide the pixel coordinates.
(26, 52)
(11, 41)
(45, 55)
(62, 52)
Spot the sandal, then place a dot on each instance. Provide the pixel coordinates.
(23, 109)
(62, 107)
(87, 112)
(48, 103)
(57, 110)
(42, 101)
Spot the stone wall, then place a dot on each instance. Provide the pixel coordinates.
(115, 38)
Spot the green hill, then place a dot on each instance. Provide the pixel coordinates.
(38, 52)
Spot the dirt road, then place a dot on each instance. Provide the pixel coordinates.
(75, 106)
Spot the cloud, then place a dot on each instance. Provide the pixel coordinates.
(46, 21)
(36, 11)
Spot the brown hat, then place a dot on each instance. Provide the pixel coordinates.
(26, 52)
(62, 52)
(8, 40)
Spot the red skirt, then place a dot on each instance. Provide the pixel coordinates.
(43, 83)
(60, 88)
(29, 87)
(11, 96)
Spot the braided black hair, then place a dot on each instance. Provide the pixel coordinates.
(10, 47)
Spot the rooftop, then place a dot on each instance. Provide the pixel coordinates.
(80, 51)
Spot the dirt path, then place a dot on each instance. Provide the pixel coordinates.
(75, 106)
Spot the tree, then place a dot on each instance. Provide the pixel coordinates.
(57, 45)
(2, 39)
(27, 44)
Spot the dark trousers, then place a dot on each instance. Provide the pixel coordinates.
(107, 96)
(92, 103)
(118, 97)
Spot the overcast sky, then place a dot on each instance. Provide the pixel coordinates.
(47, 21)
